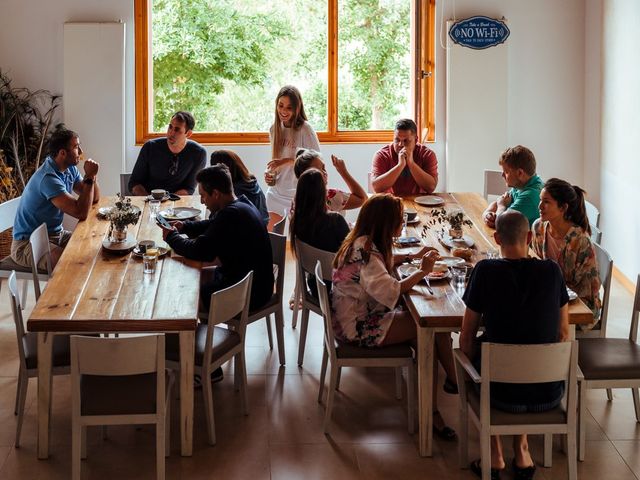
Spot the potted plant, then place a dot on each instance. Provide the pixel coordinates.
(455, 220)
(121, 216)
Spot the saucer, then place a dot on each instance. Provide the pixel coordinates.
(465, 241)
(429, 200)
(161, 252)
(181, 213)
(119, 247)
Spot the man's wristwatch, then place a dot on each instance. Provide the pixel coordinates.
(88, 181)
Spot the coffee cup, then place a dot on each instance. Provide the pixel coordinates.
(144, 245)
(158, 193)
(411, 214)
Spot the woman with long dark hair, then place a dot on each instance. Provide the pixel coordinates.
(562, 233)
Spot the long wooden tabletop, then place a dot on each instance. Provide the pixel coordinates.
(93, 290)
(445, 307)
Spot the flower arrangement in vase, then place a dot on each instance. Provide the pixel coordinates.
(121, 216)
(455, 219)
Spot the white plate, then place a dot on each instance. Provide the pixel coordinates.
(163, 199)
(120, 247)
(429, 200)
(181, 213)
(161, 252)
(414, 221)
(572, 295)
(450, 261)
(465, 241)
(407, 269)
(432, 277)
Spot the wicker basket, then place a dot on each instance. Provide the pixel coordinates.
(5, 243)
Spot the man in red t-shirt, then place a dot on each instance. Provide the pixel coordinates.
(405, 167)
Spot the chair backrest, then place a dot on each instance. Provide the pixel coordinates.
(596, 234)
(16, 308)
(548, 362)
(278, 251)
(325, 307)
(635, 313)
(605, 270)
(124, 183)
(370, 182)
(494, 184)
(8, 211)
(593, 214)
(39, 240)
(279, 227)
(226, 305)
(308, 256)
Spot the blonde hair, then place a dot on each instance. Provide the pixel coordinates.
(299, 117)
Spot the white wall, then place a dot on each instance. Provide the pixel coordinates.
(620, 169)
(546, 65)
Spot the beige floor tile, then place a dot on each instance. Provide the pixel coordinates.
(328, 461)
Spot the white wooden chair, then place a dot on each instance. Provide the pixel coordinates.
(493, 183)
(593, 214)
(28, 354)
(596, 234)
(517, 364)
(605, 270)
(116, 381)
(307, 257)
(39, 240)
(345, 355)
(215, 346)
(610, 363)
(124, 184)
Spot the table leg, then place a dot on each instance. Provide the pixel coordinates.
(187, 346)
(426, 347)
(45, 349)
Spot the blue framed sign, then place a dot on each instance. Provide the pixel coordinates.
(479, 32)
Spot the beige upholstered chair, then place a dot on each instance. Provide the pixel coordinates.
(307, 257)
(116, 381)
(517, 364)
(39, 241)
(610, 363)
(345, 355)
(274, 305)
(214, 346)
(493, 183)
(593, 214)
(28, 353)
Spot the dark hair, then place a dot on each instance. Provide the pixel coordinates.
(304, 159)
(573, 197)
(407, 124)
(379, 219)
(186, 118)
(310, 204)
(238, 170)
(512, 227)
(299, 117)
(216, 177)
(519, 157)
(60, 140)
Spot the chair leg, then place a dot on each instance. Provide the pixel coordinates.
(15, 409)
(21, 397)
(339, 377)
(610, 394)
(635, 392)
(333, 380)
(167, 426)
(485, 453)
(76, 449)
(304, 324)
(269, 334)
(25, 290)
(160, 448)
(208, 406)
(572, 463)
(323, 371)
(398, 383)
(548, 450)
(242, 380)
(83, 442)
(411, 398)
(296, 305)
(463, 434)
(582, 412)
(280, 335)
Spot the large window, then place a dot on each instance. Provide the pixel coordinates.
(360, 65)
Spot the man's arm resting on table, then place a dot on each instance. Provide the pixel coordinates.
(470, 326)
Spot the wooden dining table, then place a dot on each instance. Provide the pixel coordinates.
(443, 310)
(93, 290)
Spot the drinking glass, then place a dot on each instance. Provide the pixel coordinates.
(149, 262)
(492, 254)
(154, 208)
(459, 273)
(405, 219)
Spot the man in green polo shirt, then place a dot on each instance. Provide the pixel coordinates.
(519, 172)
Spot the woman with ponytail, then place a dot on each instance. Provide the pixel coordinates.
(562, 233)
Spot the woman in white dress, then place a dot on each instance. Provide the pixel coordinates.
(289, 132)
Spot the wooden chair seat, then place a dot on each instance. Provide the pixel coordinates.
(609, 358)
(61, 350)
(224, 340)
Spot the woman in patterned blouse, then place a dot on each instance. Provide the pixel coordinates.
(562, 233)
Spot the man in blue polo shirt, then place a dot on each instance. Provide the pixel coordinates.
(47, 197)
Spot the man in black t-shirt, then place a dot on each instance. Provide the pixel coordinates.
(235, 235)
(519, 300)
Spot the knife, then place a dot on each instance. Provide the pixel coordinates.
(426, 279)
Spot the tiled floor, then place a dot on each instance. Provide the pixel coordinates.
(282, 437)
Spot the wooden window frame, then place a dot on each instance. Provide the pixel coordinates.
(423, 88)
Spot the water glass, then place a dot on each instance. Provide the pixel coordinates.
(459, 273)
(405, 219)
(149, 262)
(492, 254)
(154, 208)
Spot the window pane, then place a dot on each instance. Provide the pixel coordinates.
(226, 60)
(374, 63)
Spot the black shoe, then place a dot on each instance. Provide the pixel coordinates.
(477, 469)
(445, 433)
(450, 386)
(525, 473)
